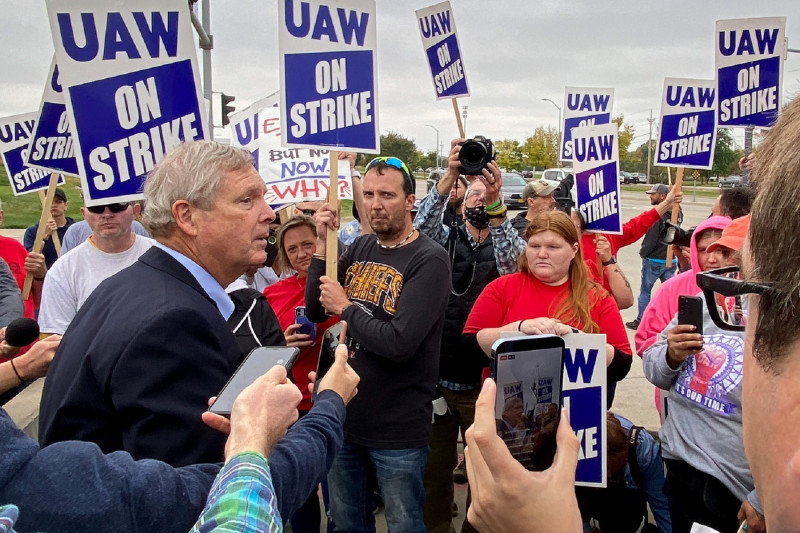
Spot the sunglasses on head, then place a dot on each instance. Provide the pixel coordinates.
(114, 208)
(396, 163)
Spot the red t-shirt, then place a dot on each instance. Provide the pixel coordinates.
(521, 296)
(14, 254)
(284, 297)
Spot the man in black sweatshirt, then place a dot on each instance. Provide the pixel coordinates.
(392, 291)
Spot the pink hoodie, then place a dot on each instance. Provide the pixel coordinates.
(663, 305)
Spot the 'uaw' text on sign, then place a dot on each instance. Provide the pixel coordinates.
(16, 133)
(596, 167)
(688, 132)
(438, 29)
(328, 74)
(132, 88)
(583, 106)
(749, 61)
(584, 397)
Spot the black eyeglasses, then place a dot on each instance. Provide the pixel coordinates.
(309, 212)
(114, 208)
(723, 289)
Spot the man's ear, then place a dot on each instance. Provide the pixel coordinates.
(185, 215)
(137, 210)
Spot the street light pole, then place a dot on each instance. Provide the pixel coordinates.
(558, 149)
(437, 144)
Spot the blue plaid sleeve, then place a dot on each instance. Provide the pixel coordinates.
(241, 499)
(508, 246)
(429, 217)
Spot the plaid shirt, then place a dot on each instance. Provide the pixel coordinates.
(241, 499)
(506, 241)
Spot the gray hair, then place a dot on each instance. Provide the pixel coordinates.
(193, 171)
(776, 213)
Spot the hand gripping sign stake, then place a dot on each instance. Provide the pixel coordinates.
(54, 236)
(38, 244)
(332, 240)
(675, 208)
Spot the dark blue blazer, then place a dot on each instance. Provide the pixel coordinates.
(137, 365)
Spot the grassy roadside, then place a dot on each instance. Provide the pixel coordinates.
(23, 211)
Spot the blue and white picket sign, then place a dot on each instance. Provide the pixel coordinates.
(749, 63)
(584, 392)
(596, 167)
(51, 146)
(291, 174)
(687, 133)
(16, 133)
(583, 106)
(584, 389)
(437, 26)
(130, 79)
(329, 75)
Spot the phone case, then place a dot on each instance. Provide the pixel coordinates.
(690, 311)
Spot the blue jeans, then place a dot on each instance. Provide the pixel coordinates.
(399, 474)
(651, 272)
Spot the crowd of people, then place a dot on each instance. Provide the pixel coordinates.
(142, 327)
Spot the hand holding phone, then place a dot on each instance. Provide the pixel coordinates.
(333, 336)
(690, 312)
(256, 364)
(307, 327)
(529, 372)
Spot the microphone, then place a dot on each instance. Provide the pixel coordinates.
(21, 332)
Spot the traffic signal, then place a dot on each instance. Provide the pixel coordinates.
(227, 108)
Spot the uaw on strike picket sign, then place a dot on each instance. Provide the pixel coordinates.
(687, 133)
(291, 174)
(584, 392)
(129, 73)
(749, 61)
(596, 167)
(51, 146)
(329, 79)
(16, 133)
(583, 106)
(437, 26)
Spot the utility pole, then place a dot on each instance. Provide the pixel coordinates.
(649, 143)
(206, 42)
(438, 150)
(464, 116)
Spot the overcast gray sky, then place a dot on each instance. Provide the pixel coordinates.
(515, 53)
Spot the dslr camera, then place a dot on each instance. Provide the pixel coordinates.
(475, 154)
(675, 235)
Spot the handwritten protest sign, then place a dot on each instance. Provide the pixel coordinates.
(437, 26)
(585, 390)
(131, 85)
(596, 167)
(749, 62)
(291, 174)
(583, 106)
(51, 146)
(687, 133)
(15, 136)
(328, 61)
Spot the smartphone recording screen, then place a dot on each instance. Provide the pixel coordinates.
(528, 372)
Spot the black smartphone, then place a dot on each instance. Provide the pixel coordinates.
(254, 366)
(327, 352)
(528, 372)
(690, 311)
(307, 327)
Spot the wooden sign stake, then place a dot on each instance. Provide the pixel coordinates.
(38, 244)
(458, 120)
(332, 240)
(675, 208)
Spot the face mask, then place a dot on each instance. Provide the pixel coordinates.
(477, 216)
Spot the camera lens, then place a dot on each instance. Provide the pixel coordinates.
(472, 153)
